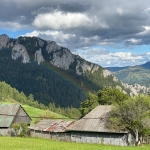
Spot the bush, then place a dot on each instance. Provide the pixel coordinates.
(20, 129)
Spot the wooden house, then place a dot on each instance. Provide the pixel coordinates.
(11, 114)
(92, 128)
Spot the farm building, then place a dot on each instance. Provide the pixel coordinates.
(51, 129)
(92, 129)
(11, 114)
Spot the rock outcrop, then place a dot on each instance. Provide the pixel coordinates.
(24, 47)
(19, 51)
(3, 40)
(39, 57)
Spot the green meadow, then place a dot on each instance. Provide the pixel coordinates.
(35, 112)
(16, 143)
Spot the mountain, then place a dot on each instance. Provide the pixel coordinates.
(51, 72)
(139, 74)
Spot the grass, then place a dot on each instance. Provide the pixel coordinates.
(16, 143)
(35, 112)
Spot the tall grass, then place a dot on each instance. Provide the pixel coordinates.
(16, 143)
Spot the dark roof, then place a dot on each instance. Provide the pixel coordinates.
(52, 125)
(94, 121)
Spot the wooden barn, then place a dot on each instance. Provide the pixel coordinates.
(51, 129)
(92, 129)
(11, 114)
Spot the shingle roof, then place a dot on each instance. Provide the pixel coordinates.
(52, 125)
(7, 114)
(94, 121)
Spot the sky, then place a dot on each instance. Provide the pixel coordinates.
(110, 33)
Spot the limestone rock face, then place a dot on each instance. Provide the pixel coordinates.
(137, 89)
(106, 73)
(83, 66)
(52, 47)
(3, 40)
(38, 56)
(41, 43)
(62, 59)
(19, 51)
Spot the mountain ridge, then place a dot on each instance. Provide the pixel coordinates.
(22, 60)
(139, 74)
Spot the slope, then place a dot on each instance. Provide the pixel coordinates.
(50, 72)
(134, 75)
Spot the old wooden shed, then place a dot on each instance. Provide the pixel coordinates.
(92, 129)
(51, 129)
(11, 114)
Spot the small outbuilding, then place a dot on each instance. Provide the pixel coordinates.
(11, 114)
(51, 129)
(93, 129)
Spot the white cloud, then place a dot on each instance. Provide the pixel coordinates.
(120, 11)
(51, 35)
(134, 41)
(58, 20)
(146, 27)
(105, 58)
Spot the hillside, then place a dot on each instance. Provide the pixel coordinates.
(34, 108)
(51, 72)
(133, 75)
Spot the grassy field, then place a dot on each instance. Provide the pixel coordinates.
(35, 112)
(16, 143)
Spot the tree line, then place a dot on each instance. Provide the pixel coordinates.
(7, 93)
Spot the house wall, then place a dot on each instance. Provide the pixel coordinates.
(22, 117)
(100, 138)
(6, 132)
(61, 136)
(84, 137)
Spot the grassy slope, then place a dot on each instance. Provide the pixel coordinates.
(134, 75)
(13, 143)
(35, 112)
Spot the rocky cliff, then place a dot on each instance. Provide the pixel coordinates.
(29, 49)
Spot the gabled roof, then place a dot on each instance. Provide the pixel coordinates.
(94, 121)
(8, 113)
(52, 125)
(9, 109)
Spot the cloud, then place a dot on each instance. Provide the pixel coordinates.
(12, 25)
(42, 10)
(79, 24)
(120, 11)
(73, 6)
(58, 36)
(59, 20)
(105, 58)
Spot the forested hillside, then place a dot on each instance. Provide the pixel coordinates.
(51, 72)
(12, 95)
(139, 74)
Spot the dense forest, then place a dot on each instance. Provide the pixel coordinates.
(50, 84)
(9, 94)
